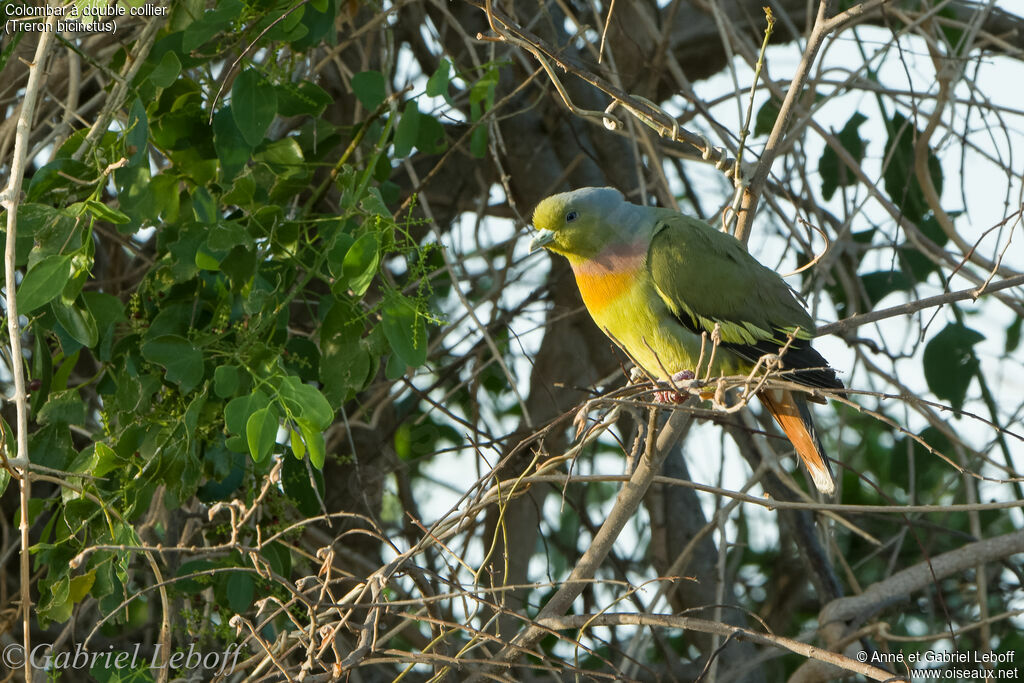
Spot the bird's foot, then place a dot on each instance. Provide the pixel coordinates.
(672, 395)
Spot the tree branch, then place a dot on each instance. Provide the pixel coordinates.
(971, 293)
(626, 503)
(10, 200)
(689, 623)
(822, 27)
(836, 615)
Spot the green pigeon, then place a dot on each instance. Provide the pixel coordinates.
(654, 280)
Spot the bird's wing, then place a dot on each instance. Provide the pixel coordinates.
(707, 277)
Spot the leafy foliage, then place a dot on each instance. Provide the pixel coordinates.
(950, 363)
(254, 312)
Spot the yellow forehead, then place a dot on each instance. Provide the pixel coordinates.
(549, 213)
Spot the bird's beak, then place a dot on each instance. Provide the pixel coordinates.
(543, 238)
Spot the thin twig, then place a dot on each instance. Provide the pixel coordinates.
(659, 444)
(10, 199)
(913, 306)
(704, 626)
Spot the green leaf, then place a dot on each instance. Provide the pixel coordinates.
(105, 213)
(55, 603)
(395, 368)
(166, 72)
(60, 378)
(405, 330)
(297, 444)
(431, 138)
(206, 261)
(279, 557)
(238, 410)
(301, 99)
(105, 460)
(834, 173)
(360, 264)
(195, 411)
(210, 24)
(369, 88)
(306, 402)
(194, 584)
(437, 84)
(166, 199)
(950, 363)
(228, 473)
(413, 441)
(65, 408)
(239, 265)
(77, 322)
(930, 470)
(381, 170)
(231, 146)
(182, 361)
(137, 135)
(766, 115)
(51, 446)
(880, 284)
(204, 207)
(228, 234)
(225, 380)
(373, 204)
(43, 282)
(298, 486)
(302, 357)
(345, 362)
(313, 437)
(319, 25)
(1013, 335)
(261, 432)
(81, 585)
(240, 590)
(482, 92)
(914, 260)
(408, 129)
(56, 176)
(107, 310)
(899, 176)
(283, 155)
(336, 255)
(478, 141)
(42, 371)
(281, 24)
(253, 105)
(953, 31)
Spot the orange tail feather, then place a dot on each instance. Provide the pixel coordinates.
(795, 419)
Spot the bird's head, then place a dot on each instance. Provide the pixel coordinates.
(578, 224)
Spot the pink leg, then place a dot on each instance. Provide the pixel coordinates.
(672, 396)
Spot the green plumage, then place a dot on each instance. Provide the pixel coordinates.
(660, 283)
(708, 275)
(654, 280)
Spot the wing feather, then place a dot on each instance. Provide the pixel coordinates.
(706, 277)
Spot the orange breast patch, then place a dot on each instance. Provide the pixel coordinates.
(600, 288)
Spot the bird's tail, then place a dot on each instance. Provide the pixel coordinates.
(794, 417)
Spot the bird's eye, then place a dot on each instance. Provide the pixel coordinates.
(571, 216)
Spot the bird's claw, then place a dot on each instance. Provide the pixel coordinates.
(674, 396)
(670, 397)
